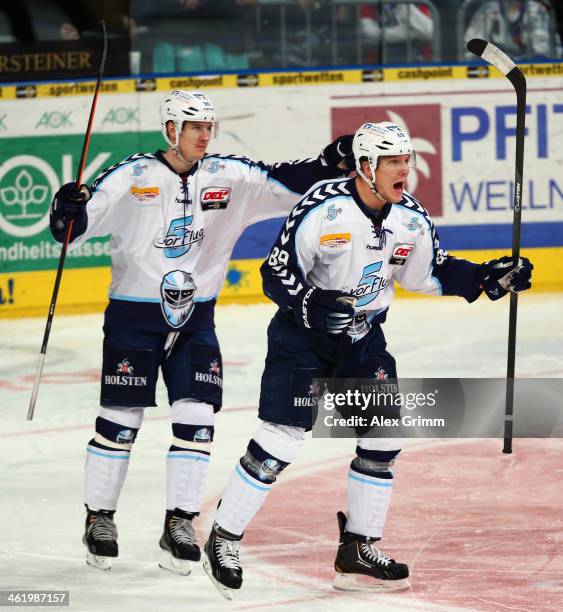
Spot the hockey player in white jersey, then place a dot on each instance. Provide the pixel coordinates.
(173, 217)
(345, 243)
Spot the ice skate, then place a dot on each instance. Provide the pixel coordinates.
(178, 542)
(221, 561)
(361, 566)
(100, 537)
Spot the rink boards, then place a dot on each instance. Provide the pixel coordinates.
(462, 128)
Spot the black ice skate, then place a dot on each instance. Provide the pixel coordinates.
(360, 565)
(178, 542)
(100, 537)
(222, 561)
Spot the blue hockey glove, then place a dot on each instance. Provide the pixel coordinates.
(69, 204)
(503, 275)
(340, 151)
(325, 310)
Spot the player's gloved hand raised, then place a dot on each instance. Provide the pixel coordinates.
(69, 201)
(325, 310)
(503, 275)
(339, 153)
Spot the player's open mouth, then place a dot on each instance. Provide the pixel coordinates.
(399, 186)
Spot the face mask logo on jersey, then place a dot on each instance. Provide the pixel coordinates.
(177, 291)
(370, 285)
(179, 238)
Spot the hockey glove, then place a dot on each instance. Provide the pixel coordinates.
(340, 152)
(69, 201)
(69, 204)
(502, 275)
(325, 310)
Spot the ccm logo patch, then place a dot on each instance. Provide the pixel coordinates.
(400, 254)
(144, 194)
(215, 198)
(336, 240)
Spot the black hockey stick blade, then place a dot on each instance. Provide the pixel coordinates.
(68, 232)
(497, 58)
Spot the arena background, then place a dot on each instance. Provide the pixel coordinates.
(462, 121)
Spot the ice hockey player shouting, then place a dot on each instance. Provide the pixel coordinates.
(332, 272)
(173, 217)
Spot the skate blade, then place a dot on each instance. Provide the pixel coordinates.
(101, 563)
(168, 562)
(223, 590)
(360, 582)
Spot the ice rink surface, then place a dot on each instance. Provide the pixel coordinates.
(480, 530)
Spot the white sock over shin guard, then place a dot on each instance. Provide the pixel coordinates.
(187, 462)
(269, 452)
(107, 456)
(370, 483)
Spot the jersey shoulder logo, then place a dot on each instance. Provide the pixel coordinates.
(136, 157)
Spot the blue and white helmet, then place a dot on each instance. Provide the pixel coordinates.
(177, 291)
(180, 106)
(375, 140)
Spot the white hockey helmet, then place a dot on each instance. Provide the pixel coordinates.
(180, 106)
(375, 140)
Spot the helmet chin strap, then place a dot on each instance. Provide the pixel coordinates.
(174, 147)
(371, 185)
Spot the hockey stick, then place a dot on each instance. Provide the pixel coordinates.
(500, 60)
(68, 232)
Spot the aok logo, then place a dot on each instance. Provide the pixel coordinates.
(55, 120)
(422, 123)
(122, 116)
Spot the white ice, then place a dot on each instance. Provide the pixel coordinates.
(41, 463)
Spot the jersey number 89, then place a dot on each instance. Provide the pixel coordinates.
(278, 257)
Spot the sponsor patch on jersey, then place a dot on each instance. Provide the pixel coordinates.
(400, 254)
(215, 198)
(336, 240)
(145, 194)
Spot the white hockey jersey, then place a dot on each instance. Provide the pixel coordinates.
(331, 240)
(172, 235)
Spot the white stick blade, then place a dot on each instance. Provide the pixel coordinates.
(491, 54)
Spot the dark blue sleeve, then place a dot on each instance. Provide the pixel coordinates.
(457, 276)
(283, 280)
(300, 174)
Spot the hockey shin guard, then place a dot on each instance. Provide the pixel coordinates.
(187, 462)
(107, 456)
(271, 451)
(370, 483)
